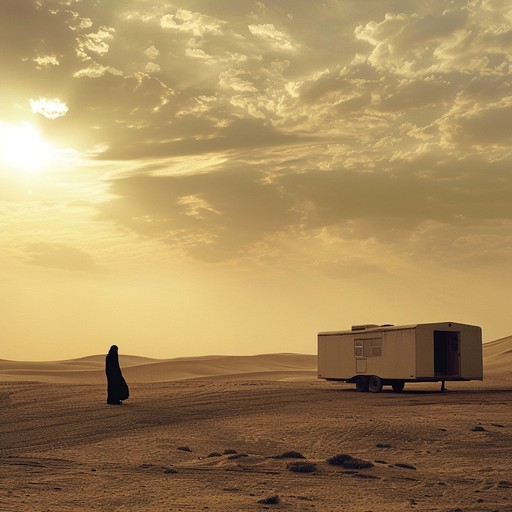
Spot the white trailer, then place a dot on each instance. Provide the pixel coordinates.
(373, 356)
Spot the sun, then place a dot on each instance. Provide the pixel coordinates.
(22, 147)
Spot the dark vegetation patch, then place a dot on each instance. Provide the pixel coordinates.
(349, 462)
(301, 467)
(289, 455)
(184, 448)
(214, 454)
(478, 428)
(271, 500)
(170, 471)
(229, 452)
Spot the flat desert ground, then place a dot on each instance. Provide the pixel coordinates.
(209, 434)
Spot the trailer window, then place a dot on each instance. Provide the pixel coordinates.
(376, 348)
(369, 347)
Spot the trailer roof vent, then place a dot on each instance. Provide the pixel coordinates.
(363, 327)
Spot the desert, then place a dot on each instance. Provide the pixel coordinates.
(248, 433)
(198, 198)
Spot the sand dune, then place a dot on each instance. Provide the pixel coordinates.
(90, 369)
(498, 357)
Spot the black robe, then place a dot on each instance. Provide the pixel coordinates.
(117, 389)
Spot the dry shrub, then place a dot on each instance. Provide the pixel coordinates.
(271, 500)
(289, 455)
(349, 462)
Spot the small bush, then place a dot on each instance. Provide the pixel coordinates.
(271, 500)
(349, 462)
(229, 452)
(340, 459)
(478, 428)
(358, 464)
(289, 455)
(170, 471)
(214, 454)
(301, 467)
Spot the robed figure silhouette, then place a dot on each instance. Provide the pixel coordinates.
(117, 389)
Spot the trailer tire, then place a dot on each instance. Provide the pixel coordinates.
(398, 386)
(375, 384)
(362, 384)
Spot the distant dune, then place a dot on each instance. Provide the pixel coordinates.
(276, 367)
(90, 370)
(498, 357)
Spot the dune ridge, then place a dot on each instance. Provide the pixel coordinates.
(90, 369)
(280, 366)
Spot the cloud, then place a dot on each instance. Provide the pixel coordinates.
(237, 135)
(490, 125)
(60, 256)
(151, 52)
(277, 39)
(194, 23)
(212, 216)
(151, 67)
(391, 121)
(95, 71)
(49, 108)
(233, 213)
(197, 53)
(410, 43)
(46, 61)
(95, 42)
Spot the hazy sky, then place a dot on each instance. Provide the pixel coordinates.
(233, 176)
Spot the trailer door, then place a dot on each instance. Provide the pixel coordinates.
(447, 353)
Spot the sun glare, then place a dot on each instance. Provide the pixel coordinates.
(23, 147)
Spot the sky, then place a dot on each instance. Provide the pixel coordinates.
(198, 177)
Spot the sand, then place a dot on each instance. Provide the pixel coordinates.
(171, 446)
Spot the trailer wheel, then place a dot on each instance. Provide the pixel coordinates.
(361, 384)
(398, 386)
(375, 384)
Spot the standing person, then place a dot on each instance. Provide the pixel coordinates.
(117, 389)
